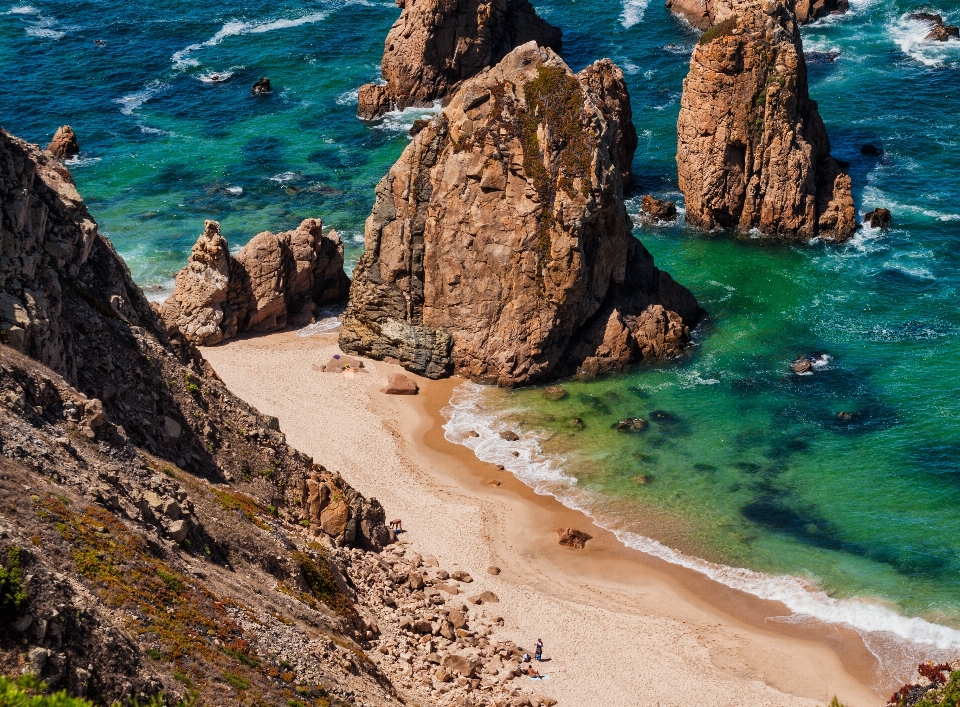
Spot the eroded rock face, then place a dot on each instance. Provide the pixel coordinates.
(64, 143)
(703, 14)
(437, 44)
(499, 245)
(752, 151)
(334, 508)
(275, 280)
(603, 80)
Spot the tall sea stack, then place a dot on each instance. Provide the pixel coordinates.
(499, 246)
(438, 44)
(752, 151)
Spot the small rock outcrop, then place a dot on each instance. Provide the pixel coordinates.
(64, 143)
(703, 14)
(438, 44)
(261, 87)
(939, 32)
(752, 150)
(334, 508)
(275, 280)
(658, 209)
(878, 218)
(499, 245)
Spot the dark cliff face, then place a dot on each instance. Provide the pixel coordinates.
(499, 246)
(438, 44)
(116, 441)
(752, 151)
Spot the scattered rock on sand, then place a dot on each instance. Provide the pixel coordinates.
(493, 570)
(658, 209)
(571, 537)
(399, 384)
(554, 392)
(64, 143)
(262, 86)
(509, 435)
(878, 218)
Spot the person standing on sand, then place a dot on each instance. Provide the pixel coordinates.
(538, 654)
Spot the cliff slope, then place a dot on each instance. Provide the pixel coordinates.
(437, 44)
(499, 245)
(752, 151)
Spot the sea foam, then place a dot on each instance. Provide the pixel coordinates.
(132, 101)
(471, 423)
(633, 12)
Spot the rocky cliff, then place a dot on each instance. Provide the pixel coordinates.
(275, 280)
(703, 14)
(437, 44)
(604, 81)
(752, 151)
(499, 246)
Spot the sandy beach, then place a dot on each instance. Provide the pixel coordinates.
(619, 627)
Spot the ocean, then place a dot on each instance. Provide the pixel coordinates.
(746, 473)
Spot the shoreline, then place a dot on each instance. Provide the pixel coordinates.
(605, 612)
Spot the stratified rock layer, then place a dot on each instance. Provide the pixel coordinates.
(703, 14)
(275, 280)
(499, 245)
(752, 151)
(437, 44)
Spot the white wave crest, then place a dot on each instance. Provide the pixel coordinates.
(400, 121)
(910, 35)
(22, 10)
(132, 101)
(147, 130)
(182, 59)
(348, 98)
(80, 161)
(214, 76)
(633, 12)
(472, 424)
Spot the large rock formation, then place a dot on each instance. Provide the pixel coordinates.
(275, 280)
(437, 44)
(752, 151)
(703, 14)
(499, 245)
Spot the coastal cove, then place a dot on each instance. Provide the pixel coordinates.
(755, 510)
(604, 611)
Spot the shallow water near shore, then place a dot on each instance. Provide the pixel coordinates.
(744, 465)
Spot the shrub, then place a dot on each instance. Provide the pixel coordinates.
(721, 29)
(12, 596)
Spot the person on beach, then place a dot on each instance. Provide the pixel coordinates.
(396, 525)
(525, 658)
(538, 654)
(532, 672)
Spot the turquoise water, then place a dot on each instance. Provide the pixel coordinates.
(748, 466)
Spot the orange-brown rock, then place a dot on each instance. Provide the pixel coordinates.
(64, 143)
(499, 245)
(703, 14)
(571, 537)
(437, 44)
(275, 280)
(603, 80)
(752, 151)
(334, 508)
(399, 384)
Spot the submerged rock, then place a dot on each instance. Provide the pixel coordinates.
(437, 44)
(870, 151)
(554, 392)
(499, 245)
(64, 143)
(275, 280)
(752, 151)
(631, 424)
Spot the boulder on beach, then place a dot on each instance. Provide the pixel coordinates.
(340, 362)
(64, 143)
(399, 384)
(509, 436)
(571, 537)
